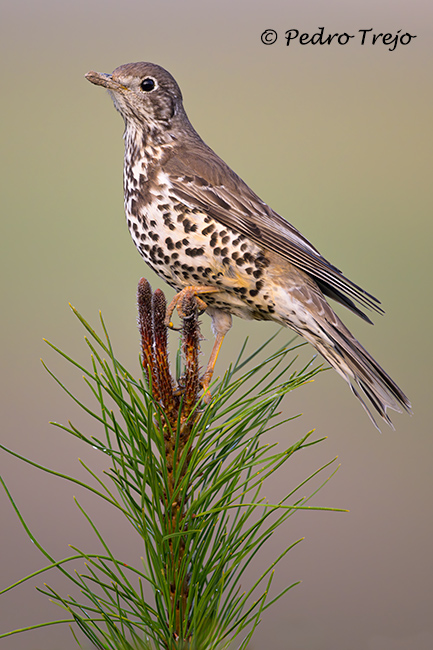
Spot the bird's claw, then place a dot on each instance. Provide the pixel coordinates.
(171, 326)
(176, 303)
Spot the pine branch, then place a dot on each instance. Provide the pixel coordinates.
(188, 478)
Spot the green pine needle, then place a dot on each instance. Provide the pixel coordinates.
(203, 521)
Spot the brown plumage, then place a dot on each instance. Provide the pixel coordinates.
(196, 223)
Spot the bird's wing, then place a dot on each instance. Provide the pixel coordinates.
(203, 180)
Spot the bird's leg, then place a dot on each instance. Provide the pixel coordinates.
(177, 302)
(206, 378)
(221, 323)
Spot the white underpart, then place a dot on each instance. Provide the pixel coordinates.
(152, 214)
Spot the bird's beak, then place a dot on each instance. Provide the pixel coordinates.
(105, 80)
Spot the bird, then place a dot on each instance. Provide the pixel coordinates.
(199, 226)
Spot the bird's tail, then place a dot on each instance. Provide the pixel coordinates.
(367, 380)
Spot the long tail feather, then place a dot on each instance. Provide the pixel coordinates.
(369, 382)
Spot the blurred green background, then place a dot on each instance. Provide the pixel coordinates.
(338, 140)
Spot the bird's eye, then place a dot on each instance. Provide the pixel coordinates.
(148, 84)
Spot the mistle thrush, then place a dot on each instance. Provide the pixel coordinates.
(196, 223)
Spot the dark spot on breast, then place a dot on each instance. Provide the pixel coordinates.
(262, 261)
(207, 231)
(169, 243)
(193, 252)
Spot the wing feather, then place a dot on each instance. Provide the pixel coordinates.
(207, 183)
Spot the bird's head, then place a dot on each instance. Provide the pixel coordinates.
(143, 93)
